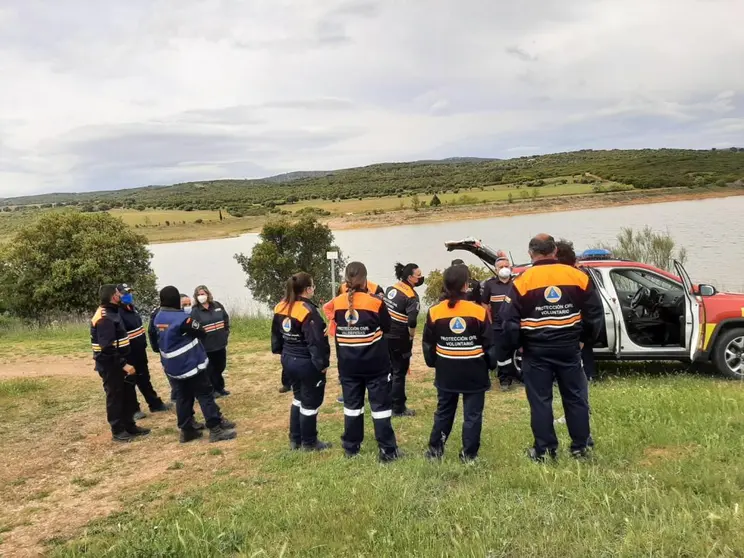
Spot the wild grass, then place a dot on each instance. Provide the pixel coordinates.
(665, 481)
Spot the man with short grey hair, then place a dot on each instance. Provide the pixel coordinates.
(550, 310)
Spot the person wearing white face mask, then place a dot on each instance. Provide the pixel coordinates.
(493, 293)
(213, 316)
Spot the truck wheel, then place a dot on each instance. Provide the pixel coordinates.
(728, 355)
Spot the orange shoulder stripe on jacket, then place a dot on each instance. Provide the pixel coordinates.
(299, 310)
(463, 309)
(362, 301)
(550, 275)
(405, 288)
(371, 287)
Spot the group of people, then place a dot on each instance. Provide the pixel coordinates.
(191, 338)
(551, 313)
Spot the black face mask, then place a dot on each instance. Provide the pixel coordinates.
(418, 282)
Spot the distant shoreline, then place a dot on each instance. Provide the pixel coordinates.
(445, 214)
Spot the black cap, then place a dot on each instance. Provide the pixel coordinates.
(457, 262)
(170, 297)
(123, 288)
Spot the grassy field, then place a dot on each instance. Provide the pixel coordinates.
(488, 194)
(666, 478)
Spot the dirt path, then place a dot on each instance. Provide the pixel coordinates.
(33, 367)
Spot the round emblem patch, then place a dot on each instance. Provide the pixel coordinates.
(352, 317)
(392, 294)
(287, 325)
(553, 295)
(457, 325)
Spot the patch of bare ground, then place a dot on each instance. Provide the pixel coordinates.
(659, 454)
(60, 470)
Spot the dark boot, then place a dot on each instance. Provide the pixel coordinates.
(189, 434)
(219, 434)
(122, 437)
(434, 454)
(138, 431)
(467, 458)
(197, 425)
(227, 424)
(318, 446)
(541, 457)
(390, 457)
(161, 407)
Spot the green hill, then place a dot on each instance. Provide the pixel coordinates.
(640, 168)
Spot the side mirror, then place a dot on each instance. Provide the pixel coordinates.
(707, 290)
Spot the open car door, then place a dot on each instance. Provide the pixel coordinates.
(613, 314)
(694, 310)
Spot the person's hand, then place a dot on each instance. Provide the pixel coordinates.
(581, 346)
(324, 371)
(129, 370)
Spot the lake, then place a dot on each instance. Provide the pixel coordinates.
(707, 228)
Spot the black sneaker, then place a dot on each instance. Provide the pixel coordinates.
(161, 408)
(434, 454)
(318, 446)
(190, 434)
(227, 424)
(284, 389)
(196, 425)
(405, 413)
(138, 431)
(541, 457)
(139, 415)
(219, 434)
(390, 457)
(122, 437)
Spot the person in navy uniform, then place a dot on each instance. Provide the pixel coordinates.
(216, 323)
(403, 306)
(137, 357)
(493, 293)
(458, 344)
(184, 360)
(298, 334)
(111, 348)
(362, 320)
(550, 311)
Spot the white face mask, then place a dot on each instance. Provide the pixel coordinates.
(187, 309)
(202, 299)
(504, 273)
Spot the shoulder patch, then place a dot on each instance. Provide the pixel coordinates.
(194, 324)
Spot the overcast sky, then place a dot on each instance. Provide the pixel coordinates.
(103, 94)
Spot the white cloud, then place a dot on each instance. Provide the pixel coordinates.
(112, 94)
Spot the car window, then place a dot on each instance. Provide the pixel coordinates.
(630, 280)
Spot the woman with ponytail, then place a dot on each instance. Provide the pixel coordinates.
(363, 363)
(298, 334)
(458, 344)
(402, 302)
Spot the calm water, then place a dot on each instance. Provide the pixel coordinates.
(710, 229)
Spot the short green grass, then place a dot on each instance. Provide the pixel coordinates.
(665, 481)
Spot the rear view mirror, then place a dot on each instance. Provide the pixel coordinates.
(706, 290)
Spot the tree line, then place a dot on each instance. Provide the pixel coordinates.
(643, 169)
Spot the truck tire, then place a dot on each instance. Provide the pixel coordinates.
(728, 354)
